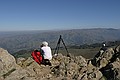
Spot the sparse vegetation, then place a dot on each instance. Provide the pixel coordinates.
(87, 51)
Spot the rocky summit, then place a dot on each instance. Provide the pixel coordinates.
(104, 66)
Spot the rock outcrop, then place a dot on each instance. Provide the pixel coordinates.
(105, 65)
(7, 62)
(108, 63)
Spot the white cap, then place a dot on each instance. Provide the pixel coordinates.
(45, 43)
(104, 44)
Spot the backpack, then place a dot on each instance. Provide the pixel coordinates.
(37, 56)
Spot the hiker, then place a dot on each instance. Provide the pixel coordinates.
(47, 54)
(99, 55)
(103, 47)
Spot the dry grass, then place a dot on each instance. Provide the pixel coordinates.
(87, 53)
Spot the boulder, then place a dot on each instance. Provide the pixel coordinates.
(102, 58)
(117, 49)
(112, 70)
(7, 62)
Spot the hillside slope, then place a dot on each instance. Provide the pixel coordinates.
(31, 40)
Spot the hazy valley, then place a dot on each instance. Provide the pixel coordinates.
(23, 40)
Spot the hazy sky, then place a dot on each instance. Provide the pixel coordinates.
(58, 14)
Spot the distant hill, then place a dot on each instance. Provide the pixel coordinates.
(16, 41)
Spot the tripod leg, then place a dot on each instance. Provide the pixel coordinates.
(64, 45)
(68, 54)
(58, 48)
(58, 45)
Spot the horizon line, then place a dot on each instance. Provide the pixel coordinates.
(52, 29)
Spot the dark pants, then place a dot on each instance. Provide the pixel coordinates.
(46, 62)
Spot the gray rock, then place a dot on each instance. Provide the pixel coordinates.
(7, 62)
(117, 49)
(103, 58)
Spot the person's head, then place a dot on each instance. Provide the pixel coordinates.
(103, 45)
(44, 43)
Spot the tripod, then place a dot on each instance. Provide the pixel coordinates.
(58, 46)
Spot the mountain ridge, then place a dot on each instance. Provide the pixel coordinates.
(31, 40)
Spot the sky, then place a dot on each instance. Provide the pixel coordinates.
(58, 14)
